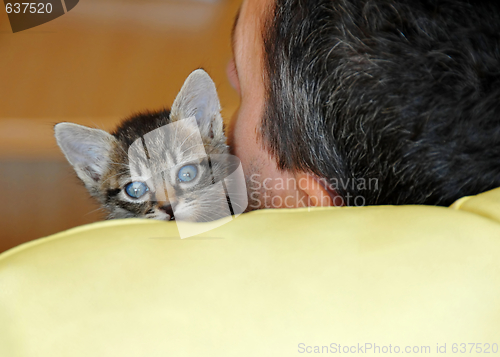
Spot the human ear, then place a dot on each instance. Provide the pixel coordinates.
(317, 191)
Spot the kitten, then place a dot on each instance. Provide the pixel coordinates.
(157, 163)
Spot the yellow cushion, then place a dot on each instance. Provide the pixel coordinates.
(486, 204)
(270, 283)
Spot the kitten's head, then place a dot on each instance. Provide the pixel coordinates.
(157, 163)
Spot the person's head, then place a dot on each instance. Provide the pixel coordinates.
(367, 101)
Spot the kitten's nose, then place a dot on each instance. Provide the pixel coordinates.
(168, 210)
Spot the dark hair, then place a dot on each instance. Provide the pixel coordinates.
(405, 92)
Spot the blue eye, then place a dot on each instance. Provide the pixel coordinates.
(187, 173)
(136, 189)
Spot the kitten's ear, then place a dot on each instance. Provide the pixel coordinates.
(198, 98)
(86, 149)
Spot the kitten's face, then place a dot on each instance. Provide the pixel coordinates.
(173, 174)
(156, 164)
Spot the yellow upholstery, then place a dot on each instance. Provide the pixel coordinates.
(486, 204)
(261, 285)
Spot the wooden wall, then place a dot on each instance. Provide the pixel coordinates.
(103, 61)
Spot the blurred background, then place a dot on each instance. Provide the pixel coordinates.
(99, 63)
